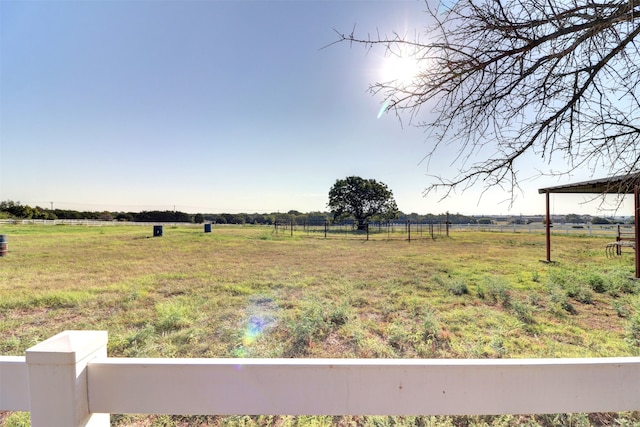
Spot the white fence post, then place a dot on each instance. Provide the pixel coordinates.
(58, 379)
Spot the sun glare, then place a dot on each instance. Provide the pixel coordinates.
(399, 69)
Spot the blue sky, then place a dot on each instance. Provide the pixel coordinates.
(210, 106)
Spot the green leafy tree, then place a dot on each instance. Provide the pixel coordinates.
(600, 220)
(361, 199)
(573, 218)
(17, 210)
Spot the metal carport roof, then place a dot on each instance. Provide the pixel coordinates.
(621, 184)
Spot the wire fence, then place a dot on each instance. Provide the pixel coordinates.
(382, 230)
(592, 230)
(401, 230)
(408, 230)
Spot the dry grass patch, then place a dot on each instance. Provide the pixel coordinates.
(244, 292)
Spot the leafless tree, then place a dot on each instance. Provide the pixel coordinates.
(504, 78)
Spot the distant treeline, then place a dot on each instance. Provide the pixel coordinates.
(12, 209)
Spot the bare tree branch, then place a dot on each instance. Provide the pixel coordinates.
(512, 77)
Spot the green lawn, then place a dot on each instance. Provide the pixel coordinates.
(245, 292)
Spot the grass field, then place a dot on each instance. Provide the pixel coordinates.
(245, 292)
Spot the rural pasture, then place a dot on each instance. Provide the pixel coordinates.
(247, 292)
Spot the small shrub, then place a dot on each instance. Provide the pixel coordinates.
(568, 307)
(313, 323)
(596, 283)
(498, 292)
(457, 287)
(136, 344)
(430, 327)
(523, 312)
(573, 286)
(498, 346)
(621, 283)
(579, 292)
(621, 309)
(439, 280)
(341, 314)
(558, 278)
(560, 302)
(633, 331)
(536, 300)
(399, 336)
(172, 315)
(535, 276)
(374, 348)
(59, 300)
(19, 419)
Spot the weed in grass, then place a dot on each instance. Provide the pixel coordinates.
(457, 287)
(309, 325)
(18, 419)
(413, 305)
(497, 291)
(633, 331)
(596, 282)
(498, 347)
(536, 300)
(238, 289)
(136, 343)
(373, 348)
(439, 280)
(574, 420)
(48, 299)
(523, 312)
(9, 345)
(620, 283)
(560, 304)
(399, 337)
(621, 309)
(172, 315)
(430, 325)
(340, 314)
(260, 320)
(572, 286)
(579, 292)
(535, 276)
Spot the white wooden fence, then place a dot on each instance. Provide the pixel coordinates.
(68, 380)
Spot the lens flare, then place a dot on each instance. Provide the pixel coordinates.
(254, 329)
(260, 313)
(384, 108)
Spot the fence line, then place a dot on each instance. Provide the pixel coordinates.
(68, 380)
(415, 230)
(391, 229)
(595, 230)
(375, 230)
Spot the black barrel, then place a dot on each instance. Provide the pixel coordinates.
(207, 228)
(157, 231)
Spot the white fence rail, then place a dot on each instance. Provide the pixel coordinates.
(539, 228)
(68, 380)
